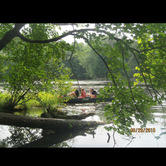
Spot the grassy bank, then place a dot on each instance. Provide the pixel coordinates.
(4, 97)
(41, 101)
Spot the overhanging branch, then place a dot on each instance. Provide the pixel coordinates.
(53, 39)
(10, 35)
(99, 56)
(123, 59)
(15, 33)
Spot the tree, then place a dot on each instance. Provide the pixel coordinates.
(32, 67)
(129, 99)
(86, 64)
(74, 64)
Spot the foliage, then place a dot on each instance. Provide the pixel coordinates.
(122, 48)
(31, 67)
(87, 65)
(124, 110)
(3, 98)
(46, 99)
(131, 100)
(53, 98)
(32, 103)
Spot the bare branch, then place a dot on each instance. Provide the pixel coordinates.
(100, 57)
(54, 39)
(142, 72)
(72, 65)
(66, 34)
(62, 24)
(127, 75)
(43, 41)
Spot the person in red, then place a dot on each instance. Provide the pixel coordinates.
(83, 94)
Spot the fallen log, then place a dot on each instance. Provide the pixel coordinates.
(76, 117)
(45, 123)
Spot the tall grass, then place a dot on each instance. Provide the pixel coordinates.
(4, 97)
(43, 99)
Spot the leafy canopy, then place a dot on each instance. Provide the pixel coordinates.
(31, 67)
(36, 44)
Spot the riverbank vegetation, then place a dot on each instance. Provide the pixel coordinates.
(31, 71)
(36, 63)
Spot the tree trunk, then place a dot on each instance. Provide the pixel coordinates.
(45, 123)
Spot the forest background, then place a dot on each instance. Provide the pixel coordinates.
(87, 65)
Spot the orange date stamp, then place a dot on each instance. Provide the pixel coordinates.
(143, 130)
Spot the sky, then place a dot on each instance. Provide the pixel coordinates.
(70, 38)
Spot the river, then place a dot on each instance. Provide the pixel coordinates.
(95, 137)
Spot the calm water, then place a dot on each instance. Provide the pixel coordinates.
(95, 137)
(100, 138)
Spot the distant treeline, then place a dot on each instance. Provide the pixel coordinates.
(86, 64)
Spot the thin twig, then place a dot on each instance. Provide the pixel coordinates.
(114, 138)
(127, 75)
(142, 73)
(72, 65)
(110, 71)
(130, 141)
(108, 137)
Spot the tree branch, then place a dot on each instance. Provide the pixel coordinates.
(72, 65)
(152, 49)
(100, 57)
(10, 35)
(15, 33)
(71, 33)
(142, 72)
(127, 75)
(62, 24)
(54, 39)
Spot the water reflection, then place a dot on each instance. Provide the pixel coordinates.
(157, 139)
(94, 137)
(20, 136)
